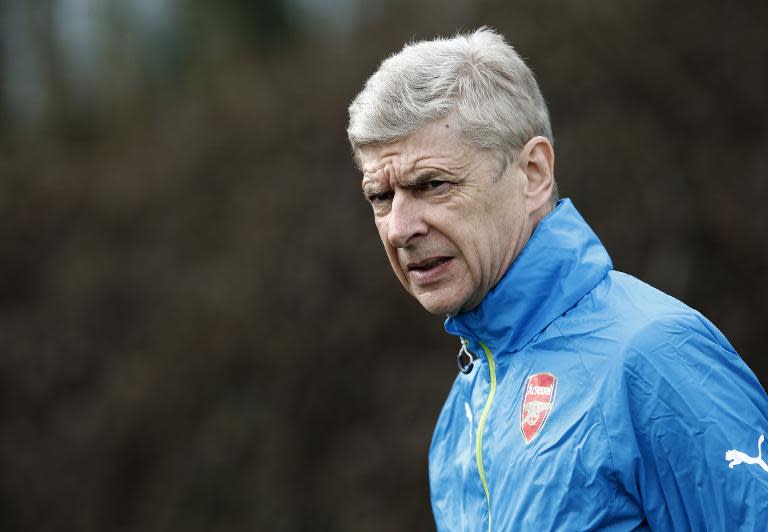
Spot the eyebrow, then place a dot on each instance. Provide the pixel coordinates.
(415, 181)
(370, 188)
(421, 178)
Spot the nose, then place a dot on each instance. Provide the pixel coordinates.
(405, 221)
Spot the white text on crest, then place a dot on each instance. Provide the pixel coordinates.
(539, 390)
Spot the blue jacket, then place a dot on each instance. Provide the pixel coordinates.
(595, 402)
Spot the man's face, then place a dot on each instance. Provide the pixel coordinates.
(450, 224)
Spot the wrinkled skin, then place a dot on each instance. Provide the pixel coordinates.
(450, 222)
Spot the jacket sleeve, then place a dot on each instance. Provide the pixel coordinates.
(698, 416)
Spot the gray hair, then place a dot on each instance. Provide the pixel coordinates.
(477, 78)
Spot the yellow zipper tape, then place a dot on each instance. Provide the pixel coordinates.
(481, 426)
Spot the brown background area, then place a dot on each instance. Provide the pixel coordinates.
(199, 330)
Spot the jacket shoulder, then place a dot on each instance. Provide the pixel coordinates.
(628, 332)
(633, 315)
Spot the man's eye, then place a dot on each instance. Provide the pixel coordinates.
(379, 197)
(434, 184)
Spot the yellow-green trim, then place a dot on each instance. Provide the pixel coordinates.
(481, 426)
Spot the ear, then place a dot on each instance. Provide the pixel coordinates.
(537, 162)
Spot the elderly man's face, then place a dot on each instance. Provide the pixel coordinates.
(450, 224)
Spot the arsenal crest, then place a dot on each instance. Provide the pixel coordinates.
(537, 403)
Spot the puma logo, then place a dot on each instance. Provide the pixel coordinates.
(735, 457)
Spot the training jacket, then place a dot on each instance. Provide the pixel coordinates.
(595, 402)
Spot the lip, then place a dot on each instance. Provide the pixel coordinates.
(422, 277)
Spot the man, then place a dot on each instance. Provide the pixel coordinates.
(587, 400)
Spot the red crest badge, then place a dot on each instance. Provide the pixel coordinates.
(537, 403)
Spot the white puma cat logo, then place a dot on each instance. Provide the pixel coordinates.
(737, 457)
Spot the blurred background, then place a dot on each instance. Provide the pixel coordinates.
(199, 330)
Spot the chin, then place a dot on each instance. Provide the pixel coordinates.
(439, 307)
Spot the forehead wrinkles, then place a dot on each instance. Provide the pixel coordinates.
(390, 167)
(434, 147)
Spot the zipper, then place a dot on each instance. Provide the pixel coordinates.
(483, 417)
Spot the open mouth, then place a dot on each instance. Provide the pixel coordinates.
(427, 264)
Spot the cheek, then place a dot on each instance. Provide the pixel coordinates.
(479, 250)
(471, 244)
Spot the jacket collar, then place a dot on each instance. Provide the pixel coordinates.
(560, 264)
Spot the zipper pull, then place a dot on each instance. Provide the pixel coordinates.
(465, 359)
